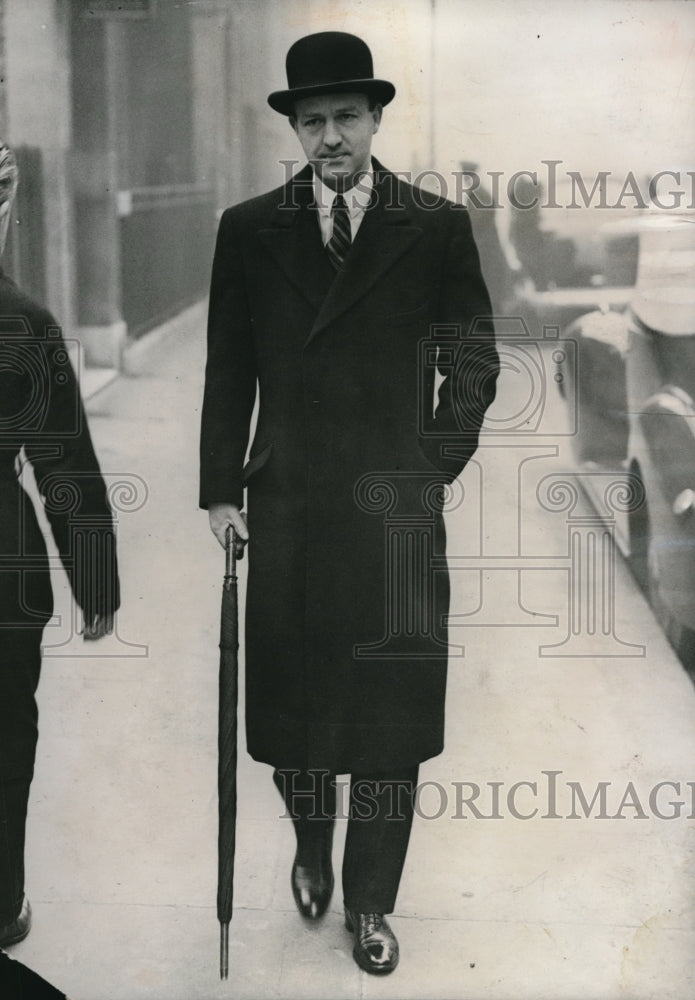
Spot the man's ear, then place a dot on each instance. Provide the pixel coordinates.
(376, 114)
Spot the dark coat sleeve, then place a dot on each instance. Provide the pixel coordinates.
(69, 479)
(468, 359)
(230, 375)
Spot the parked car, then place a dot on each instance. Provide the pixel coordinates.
(568, 259)
(632, 388)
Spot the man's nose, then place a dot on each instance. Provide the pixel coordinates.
(331, 135)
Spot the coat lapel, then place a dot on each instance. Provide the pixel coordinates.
(387, 230)
(293, 239)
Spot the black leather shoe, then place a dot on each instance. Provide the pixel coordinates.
(18, 929)
(376, 946)
(312, 884)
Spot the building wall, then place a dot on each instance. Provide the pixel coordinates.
(156, 134)
(37, 104)
(109, 104)
(123, 108)
(210, 103)
(145, 214)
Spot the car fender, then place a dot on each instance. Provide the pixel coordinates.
(596, 388)
(665, 449)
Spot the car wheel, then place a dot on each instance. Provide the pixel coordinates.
(645, 569)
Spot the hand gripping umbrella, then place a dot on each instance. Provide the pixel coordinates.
(227, 749)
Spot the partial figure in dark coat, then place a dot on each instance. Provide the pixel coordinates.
(331, 296)
(41, 422)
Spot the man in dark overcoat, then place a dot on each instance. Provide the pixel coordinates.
(42, 422)
(326, 296)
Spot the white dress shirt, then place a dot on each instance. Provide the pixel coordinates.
(357, 199)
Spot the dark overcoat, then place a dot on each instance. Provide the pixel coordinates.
(346, 639)
(42, 420)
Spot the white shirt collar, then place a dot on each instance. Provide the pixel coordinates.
(357, 198)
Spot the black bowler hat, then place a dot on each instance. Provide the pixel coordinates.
(329, 62)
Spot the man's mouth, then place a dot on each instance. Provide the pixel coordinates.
(334, 156)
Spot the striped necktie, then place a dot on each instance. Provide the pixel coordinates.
(341, 238)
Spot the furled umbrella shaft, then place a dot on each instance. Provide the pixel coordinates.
(227, 747)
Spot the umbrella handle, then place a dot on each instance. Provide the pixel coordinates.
(230, 552)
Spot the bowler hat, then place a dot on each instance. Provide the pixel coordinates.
(329, 62)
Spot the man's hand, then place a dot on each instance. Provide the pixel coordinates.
(99, 626)
(223, 514)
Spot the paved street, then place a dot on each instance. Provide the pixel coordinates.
(121, 855)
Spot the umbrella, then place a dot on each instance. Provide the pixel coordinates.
(227, 740)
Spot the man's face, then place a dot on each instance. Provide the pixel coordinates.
(336, 131)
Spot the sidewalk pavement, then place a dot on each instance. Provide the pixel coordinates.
(121, 854)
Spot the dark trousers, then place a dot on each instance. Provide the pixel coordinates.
(380, 817)
(20, 666)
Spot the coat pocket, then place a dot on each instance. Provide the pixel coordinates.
(256, 463)
(406, 317)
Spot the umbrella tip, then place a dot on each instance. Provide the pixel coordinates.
(224, 951)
